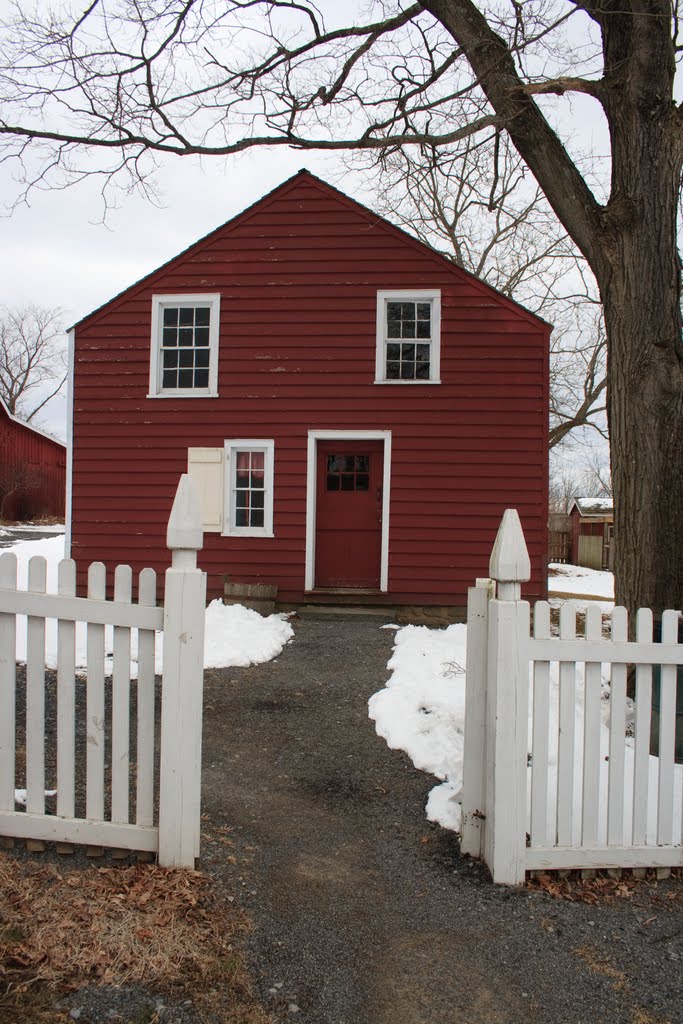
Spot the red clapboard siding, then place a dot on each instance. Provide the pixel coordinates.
(298, 274)
(32, 470)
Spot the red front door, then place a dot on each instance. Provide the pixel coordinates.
(349, 514)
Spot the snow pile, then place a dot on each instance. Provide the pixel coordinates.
(235, 636)
(422, 710)
(576, 579)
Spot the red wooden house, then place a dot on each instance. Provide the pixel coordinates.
(32, 470)
(357, 411)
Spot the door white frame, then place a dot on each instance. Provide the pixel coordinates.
(312, 489)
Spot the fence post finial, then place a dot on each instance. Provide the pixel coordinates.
(184, 535)
(510, 565)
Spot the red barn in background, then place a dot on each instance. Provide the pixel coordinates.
(356, 410)
(32, 470)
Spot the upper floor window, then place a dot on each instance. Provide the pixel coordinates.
(408, 337)
(184, 352)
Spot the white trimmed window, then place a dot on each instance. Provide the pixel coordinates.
(184, 349)
(408, 337)
(249, 488)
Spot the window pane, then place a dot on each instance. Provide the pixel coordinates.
(258, 499)
(170, 379)
(201, 336)
(422, 353)
(201, 357)
(361, 464)
(257, 517)
(334, 463)
(393, 371)
(408, 352)
(170, 316)
(242, 477)
(407, 371)
(422, 371)
(201, 378)
(424, 329)
(394, 329)
(347, 481)
(408, 329)
(362, 482)
(170, 337)
(258, 460)
(241, 516)
(185, 378)
(186, 316)
(170, 358)
(332, 482)
(185, 336)
(393, 311)
(242, 498)
(201, 316)
(424, 310)
(185, 357)
(393, 351)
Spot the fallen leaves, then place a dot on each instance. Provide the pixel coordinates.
(141, 924)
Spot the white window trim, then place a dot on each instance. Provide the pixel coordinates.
(252, 445)
(213, 300)
(432, 295)
(312, 492)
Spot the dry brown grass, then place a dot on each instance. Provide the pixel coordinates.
(62, 928)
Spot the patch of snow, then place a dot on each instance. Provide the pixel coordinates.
(577, 579)
(38, 528)
(20, 795)
(422, 711)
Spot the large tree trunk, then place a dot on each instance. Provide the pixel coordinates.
(640, 283)
(631, 245)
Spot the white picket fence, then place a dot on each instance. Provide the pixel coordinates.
(175, 836)
(557, 768)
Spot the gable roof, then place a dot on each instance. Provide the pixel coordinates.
(312, 179)
(592, 506)
(28, 426)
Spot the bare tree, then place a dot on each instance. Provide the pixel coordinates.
(123, 83)
(32, 359)
(475, 203)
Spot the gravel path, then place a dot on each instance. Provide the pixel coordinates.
(364, 912)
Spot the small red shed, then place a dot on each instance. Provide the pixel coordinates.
(32, 470)
(356, 410)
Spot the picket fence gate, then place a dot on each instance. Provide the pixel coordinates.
(546, 784)
(175, 836)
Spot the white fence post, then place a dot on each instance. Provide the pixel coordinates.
(474, 754)
(507, 706)
(182, 686)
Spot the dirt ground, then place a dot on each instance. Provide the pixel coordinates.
(364, 913)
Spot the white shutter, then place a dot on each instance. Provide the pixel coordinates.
(205, 466)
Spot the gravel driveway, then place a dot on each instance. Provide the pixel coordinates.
(367, 914)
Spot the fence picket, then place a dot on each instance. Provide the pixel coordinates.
(120, 704)
(590, 808)
(617, 737)
(667, 735)
(66, 697)
(144, 795)
(8, 680)
(643, 717)
(540, 834)
(35, 694)
(97, 588)
(567, 733)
